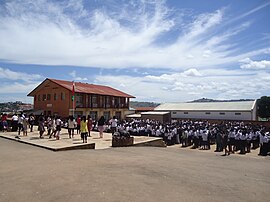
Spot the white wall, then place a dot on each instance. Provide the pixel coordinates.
(213, 115)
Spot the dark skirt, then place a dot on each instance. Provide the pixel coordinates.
(58, 128)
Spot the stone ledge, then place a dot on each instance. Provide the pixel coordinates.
(73, 147)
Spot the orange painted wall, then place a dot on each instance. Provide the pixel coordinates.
(59, 106)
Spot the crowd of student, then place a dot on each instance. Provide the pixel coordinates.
(53, 125)
(229, 136)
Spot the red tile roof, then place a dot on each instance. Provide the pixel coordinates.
(89, 88)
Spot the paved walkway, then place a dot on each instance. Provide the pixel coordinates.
(66, 143)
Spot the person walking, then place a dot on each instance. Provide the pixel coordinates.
(49, 126)
(84, 129)
(31, 122)
(41, 126)
(58, 123)
(20, 123)
(113, 123)
(53, 133)
(101, 123)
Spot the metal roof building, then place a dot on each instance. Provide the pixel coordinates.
(242, 110)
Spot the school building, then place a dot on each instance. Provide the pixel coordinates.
(55, 97)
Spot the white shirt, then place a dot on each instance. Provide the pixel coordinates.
(14, 118)
(58, 122)
(113, 122)
(205, 136)
(71, 123)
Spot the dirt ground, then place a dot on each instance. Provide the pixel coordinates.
(30, 173)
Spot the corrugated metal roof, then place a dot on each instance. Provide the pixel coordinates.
(154, 113)
(134, 116)
(144, 108)
(89, 88)
(207, 106)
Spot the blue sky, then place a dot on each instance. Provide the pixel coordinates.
(156, 50)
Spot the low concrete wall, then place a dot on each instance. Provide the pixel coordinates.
(152, 143)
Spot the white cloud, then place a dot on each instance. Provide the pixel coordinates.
(74, 76)
(18, 82)
(247, 63)
(13, 75)
(176, 87)
(18, 87)
(113, 36)
(191, 72)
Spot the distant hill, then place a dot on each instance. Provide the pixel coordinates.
(212, 100)
(14, 106)
(136, 104)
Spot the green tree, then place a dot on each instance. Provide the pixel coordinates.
(264, 107)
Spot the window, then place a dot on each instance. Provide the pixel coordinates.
(207, 112)
(79, 100)
(55, 96)
(113, 102)
(106, 115)
(185, 112)
(86, 100)
(117, 102)
(107, 101)
(118, 115)
(237, 113)
(43, 97)
(35, 98)
(48, 96)
(93, 115)
(63, 96)
(221, 113)
(38, 97)
(174, 112)
(93, 101)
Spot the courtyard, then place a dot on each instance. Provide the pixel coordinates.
(31, 173)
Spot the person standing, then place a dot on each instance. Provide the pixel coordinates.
(231, 137)
(89, 125)
(71, 126)
(101, 123)
(224, 136)
(113, 123)
(25, 125)
(4, 122)
(78, 121)
(243, 142)
(84, 129)
(14, 122)
(219, 141)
